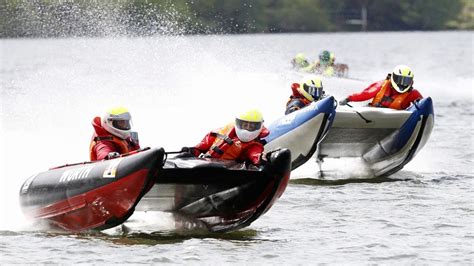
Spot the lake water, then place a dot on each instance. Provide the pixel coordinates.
(178, 88)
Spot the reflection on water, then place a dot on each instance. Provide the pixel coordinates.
(338, 182)
(172, 237)
(126, 236)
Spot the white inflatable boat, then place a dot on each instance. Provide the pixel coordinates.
(384, 139)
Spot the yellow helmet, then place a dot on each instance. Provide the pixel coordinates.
(117, 121)
(312, 89)
(249, 125)
(300, 60)
(402, 78)
(332, 58)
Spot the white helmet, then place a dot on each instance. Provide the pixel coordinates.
(118, 121)
(402, 78)
(249, 125)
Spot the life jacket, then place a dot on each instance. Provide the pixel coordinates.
(328, 71)
(228, 146)
(100, 134)
(297, 95)
(294, 104)
(384, 98)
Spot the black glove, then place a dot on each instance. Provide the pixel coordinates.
(112, 155)
(268, 156)
(187, 149)
(344, 102)
(265, 158)
(186, 152)
(134, 137)
(190, 150)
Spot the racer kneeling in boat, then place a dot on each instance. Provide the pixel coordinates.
(395, 92)
(304, 93)
(112, 135)
(299, 61)
(241, 141)
(327, 66)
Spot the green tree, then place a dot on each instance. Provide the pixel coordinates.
(412, 14)
(50, 18)
(235, 16)
(465, 18)
(296, 15)
(428, 15)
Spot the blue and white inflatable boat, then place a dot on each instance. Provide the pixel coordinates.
(384, 139)
(302, 130)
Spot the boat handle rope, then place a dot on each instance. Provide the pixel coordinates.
(361, 116)
(415, 103)
(168, 153)
(172, 152)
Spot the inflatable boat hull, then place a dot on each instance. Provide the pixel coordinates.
(223, 195)
(384, 139)
(302, 130)
(90, 195)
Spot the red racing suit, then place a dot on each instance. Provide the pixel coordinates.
(296, 101)
(384, 95)
(103, 143)
(225, 144)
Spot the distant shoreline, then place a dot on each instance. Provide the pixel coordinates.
(89, 18)
(226, 34)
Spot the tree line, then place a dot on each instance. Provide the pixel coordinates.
(59, 18)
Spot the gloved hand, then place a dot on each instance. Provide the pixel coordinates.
(186, 152)
(112, 155)
(265, 157)
(190, 150)
(268, 156)
(133, 138)
(187, 149)
(344, 102)
(204, 155)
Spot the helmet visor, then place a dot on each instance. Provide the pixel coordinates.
(247, 125)
(122, 124)
(402, 81)
(324, 61)
(315, 92)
